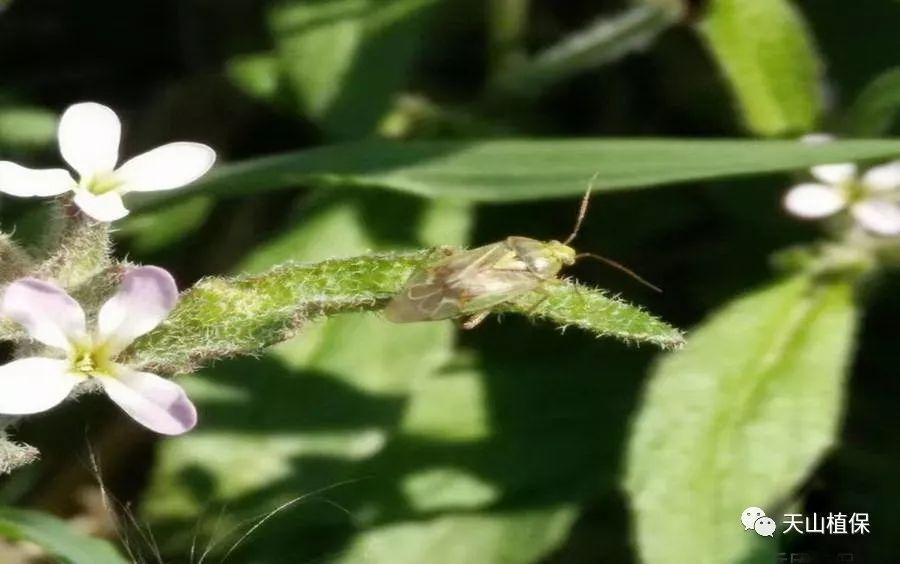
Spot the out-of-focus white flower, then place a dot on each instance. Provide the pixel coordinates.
(872, 199)
(52, 317)
(89, 135)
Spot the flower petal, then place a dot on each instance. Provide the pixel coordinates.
(167, 167)
(20, 181)
(883, 178)
(156, 403)
(49, 314)
(834, 174)
(144, 299)
(878, 216)
(813, 201)
(89, 135)
(32, 385)
(106, 207)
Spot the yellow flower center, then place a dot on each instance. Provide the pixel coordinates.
(101, 183)
(85, 363)
(91, 360)
(855, 191)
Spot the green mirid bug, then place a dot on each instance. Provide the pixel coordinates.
(472, 282)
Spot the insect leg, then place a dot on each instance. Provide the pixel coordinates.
(475, 320)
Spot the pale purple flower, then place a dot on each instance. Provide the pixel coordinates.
(89, 135)
(49, 315)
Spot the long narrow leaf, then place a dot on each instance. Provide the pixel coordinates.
(515, 170)
(57, 537)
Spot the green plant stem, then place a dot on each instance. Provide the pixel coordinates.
(603, 42)
(77, 248)
(14, 262)
(224, 317)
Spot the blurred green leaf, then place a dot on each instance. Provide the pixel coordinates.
(394, 446)
(156, 229)
(739, 418)
(507, 32)
(677, 9)
(345, 59)
(256, 74)
(56, 537)
(604, 41)
(515, 170)
(26, 128)
(502, 537)
(766, 52)
(876, 108)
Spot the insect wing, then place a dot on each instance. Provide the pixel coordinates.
(490, 288)
(462, 283)
(441, 290)
(424, 297)
(466, 264)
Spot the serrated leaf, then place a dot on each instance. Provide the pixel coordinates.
(768, 57)
(738, 419)
(516, 170)
(57, 537)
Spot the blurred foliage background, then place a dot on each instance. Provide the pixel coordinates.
(421, 444)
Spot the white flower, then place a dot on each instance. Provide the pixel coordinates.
(871, 199)
(89, 141)
(52, 317)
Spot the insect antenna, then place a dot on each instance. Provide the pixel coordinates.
(621, 267)
(582, 210)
